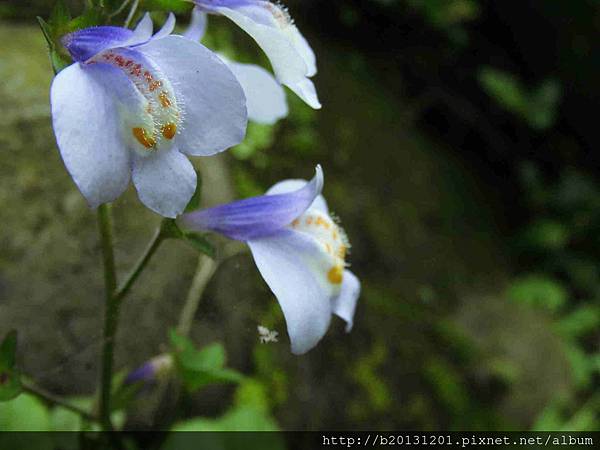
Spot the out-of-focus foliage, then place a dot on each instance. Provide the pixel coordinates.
(250, 412)
(200, 368)
(537, 106)
(567, 249)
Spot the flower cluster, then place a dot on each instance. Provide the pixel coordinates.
(134, 105)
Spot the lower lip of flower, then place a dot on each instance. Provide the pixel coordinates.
(332, 239)
(159, 116)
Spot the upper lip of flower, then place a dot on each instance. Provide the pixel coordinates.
(256, 217)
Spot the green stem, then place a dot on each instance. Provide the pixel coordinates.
(57, 401)
(119, 10)
(111, 312)
(159, 236)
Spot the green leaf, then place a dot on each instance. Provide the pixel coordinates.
(547, 235)
(46, 31)
(170, 230)
(200, 368)
(250, 412)
(538, 291)
(10, 382)
(59, 61)
(62, 419)
(582, 366)
(200, 243)
(212, 355)
(537, 107)
(24, 413)
(583, 320)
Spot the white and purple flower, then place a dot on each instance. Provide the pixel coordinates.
(133, 105)
(299, 249)
(265, 97)
(273, 29)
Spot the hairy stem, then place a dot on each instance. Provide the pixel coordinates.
(111, 312)
(132, 12)
(120, 9)
(53, 399)
(205, 270)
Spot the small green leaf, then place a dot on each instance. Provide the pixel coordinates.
(582, 320)
(547, 234)
(199, 368)
(200, 243)
(10, 383)
(170, 230)
(538, 291)
(25, 413)
(59, 61)
(209, 357)
(46, 31)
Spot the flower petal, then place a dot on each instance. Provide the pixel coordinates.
(86, 120)
(165, 181)
(305, 89)
(142, 32)
(265, 98)
(287, 50)
(344, 304)
(167, 28)
(256, 217)
(214, 104)
(303, 47)
(197, 27)
(286, 186)
(285, 262)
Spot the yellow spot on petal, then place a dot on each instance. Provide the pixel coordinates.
(169, 130)
(295, 223)
(143, 138)
(335, 275)
(309, 221)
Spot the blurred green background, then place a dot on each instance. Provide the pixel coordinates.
(459, 146)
